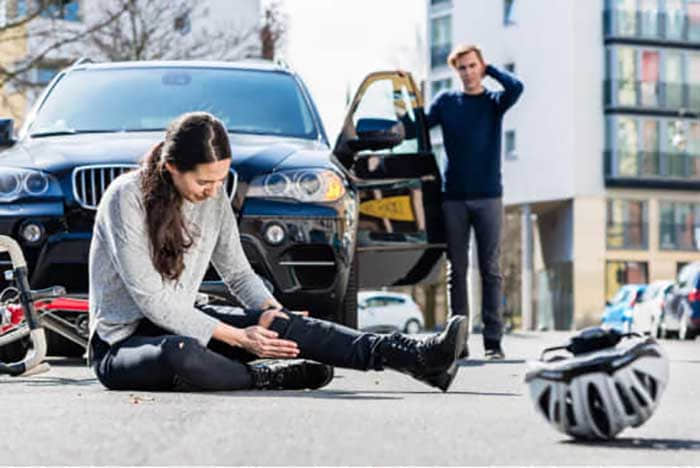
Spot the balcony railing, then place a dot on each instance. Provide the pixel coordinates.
(651, 95)
(631, 236)
(651, 25)
(439, 54)
(679, 236)
(652, 165)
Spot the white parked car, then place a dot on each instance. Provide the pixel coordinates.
(384, 311)
(647, 312)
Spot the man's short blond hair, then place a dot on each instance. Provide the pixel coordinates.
(463, 49)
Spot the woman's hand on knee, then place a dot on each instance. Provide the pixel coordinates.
(269, 315)
(264, 343)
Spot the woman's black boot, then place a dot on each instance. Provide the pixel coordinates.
(432, 360)
(289, 374)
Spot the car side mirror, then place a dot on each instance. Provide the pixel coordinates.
(376, 134)
(7, 132)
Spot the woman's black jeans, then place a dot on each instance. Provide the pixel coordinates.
(154, 359)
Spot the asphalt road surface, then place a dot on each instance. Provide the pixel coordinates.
(65, 417)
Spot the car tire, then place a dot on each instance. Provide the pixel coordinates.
(685, 332)
(347, 314)
(412, 327)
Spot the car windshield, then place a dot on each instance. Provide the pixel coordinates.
(147, 99)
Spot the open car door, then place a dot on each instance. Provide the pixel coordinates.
(385, 144)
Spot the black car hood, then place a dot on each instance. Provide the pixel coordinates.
(252, 154)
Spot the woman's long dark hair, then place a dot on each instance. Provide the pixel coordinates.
(191, 139)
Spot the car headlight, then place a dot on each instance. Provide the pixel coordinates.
(18, 183)
(309, 185)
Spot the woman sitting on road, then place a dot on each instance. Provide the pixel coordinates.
(156, 231)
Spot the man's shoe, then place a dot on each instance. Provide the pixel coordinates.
(464, 354)
(495, 354)
(289, 374)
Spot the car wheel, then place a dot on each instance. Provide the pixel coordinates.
(348, 307)
(685, 332)
(412, 327)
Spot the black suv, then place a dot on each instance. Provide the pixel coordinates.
(316, 222)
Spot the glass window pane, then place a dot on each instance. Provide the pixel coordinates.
(694, 80)
(674, 19)
(626, 76)
(650, 78)
(694, 21)
(673, 79)
(650, 148)
(627, 147)
(625, 11)
(649, 17)
(627, 224)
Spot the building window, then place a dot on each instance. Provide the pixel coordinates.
(693, 21)
(649, 18)
(653, 148)
(652, 78)
(627, 225)
(679, 228)
(61, 9)
(440, 40)
(440, 85)
(620, 272)
(675, 18)
(45, 74)
(3, 13)
(508, 12)
(626, 77)
(510, 149)
(649, 85)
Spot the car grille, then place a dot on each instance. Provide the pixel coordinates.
(90, 182)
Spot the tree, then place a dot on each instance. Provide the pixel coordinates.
(170, 30)
(38, 34)
(273, 30)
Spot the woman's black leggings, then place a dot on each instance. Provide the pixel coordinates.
(154, 359)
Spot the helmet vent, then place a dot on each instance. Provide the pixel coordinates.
(570, 409)
(629, 409)
(648, 382)
(556, 412)
(638, 396)
(544, 401)
(597, 410)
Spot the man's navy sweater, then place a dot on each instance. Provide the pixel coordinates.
(471, 129)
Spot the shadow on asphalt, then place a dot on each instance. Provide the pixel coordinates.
(39, 381)
(356, 395)
(483, 362)
(655, 444)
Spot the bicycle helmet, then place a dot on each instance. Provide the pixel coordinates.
(607, 385)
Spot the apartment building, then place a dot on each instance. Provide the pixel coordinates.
(601, 156)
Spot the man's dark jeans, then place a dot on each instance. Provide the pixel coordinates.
(486, 217)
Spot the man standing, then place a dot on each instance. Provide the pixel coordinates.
(471, 120)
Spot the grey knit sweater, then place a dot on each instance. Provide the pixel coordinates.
(124, 285)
